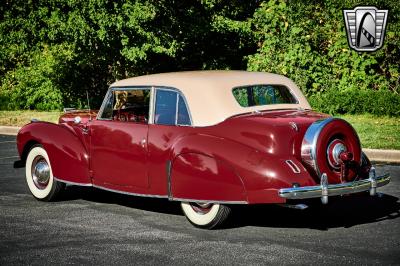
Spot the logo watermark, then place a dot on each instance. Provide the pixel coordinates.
(365, 27)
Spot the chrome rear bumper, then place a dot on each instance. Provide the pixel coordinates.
(324, 189)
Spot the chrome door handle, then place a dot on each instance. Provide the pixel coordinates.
(143, 143)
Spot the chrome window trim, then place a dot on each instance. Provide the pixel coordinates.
(124, 88)
(176, 108)
(152, 105)
(250, 85)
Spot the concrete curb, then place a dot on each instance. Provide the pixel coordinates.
(390, 156)
(9, 130)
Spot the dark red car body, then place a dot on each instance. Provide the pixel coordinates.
(268, 154)
(239, 160)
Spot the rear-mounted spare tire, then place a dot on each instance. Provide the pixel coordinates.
(327, 144)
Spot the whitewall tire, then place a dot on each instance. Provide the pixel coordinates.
(39, 175)
(205, 215)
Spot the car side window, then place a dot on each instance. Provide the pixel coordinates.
(165, 113)
(131, 105)
(170, 108)
(127, 105)
(257, 95)
(108, 107)
(183, 114)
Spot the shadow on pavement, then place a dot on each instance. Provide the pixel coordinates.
(101, 196)
(344, 211)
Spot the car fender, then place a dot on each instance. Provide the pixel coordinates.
(68, 156)
(203, 168)
(217, 167)
(200, 177)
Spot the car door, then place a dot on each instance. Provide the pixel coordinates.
(119, 138)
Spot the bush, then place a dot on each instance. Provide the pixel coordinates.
(52, 52)
(37, 86)
(308, 43)
(355, 101)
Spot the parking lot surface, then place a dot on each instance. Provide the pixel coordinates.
(90, 226)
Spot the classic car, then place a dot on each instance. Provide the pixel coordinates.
(207, 139)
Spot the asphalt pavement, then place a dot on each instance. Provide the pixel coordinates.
(90, 226)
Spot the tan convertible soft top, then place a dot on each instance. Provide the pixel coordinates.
(209, 93)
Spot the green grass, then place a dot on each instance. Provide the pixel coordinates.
(374, 132)
(20, 118)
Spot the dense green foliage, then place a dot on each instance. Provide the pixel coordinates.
(53, 51)
(308, 43)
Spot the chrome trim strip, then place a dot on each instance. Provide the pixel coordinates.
(169, 179)
(152, 105)
(150, 195)
(211, 201)
(176, 108)
(73, 183)
(333, 189)
(293, 166)
(131, 193)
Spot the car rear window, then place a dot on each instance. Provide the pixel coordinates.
(256, 95)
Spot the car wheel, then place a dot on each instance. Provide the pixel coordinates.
(39, 175)
(205, 215)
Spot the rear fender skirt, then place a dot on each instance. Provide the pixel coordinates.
(68, 157)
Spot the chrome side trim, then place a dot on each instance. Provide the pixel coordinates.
(111, 190)
(211, 201)
(293, 166)
(169, 179)
(334, 189)
(73, 183)
(131, 193)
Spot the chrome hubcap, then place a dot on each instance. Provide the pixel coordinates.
(335, 148)
(40, 172)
